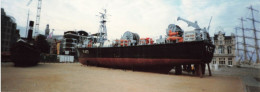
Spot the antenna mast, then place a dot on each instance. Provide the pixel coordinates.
(102, 29)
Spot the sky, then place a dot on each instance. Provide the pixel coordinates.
(148, 18)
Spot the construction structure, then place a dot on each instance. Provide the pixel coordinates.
(38, 16)
(224, 54)
(53, 41)
(244, 59)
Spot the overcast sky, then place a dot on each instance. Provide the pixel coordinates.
(148, 18)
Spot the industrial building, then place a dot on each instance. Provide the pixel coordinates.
(224, 54)
(54, 41)
(65, 46)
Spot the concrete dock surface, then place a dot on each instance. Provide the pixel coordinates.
(74, 77)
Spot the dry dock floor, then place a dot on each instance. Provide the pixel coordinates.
(74, 77)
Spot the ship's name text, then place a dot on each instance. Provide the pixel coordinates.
(85, 51)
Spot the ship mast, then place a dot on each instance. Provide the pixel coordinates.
(245, 45)
(244, 39)
(102, 36)
(254, 29)
(237, 46)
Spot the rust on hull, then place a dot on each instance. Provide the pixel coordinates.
(139, 64)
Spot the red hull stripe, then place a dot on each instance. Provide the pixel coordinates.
(137, 61)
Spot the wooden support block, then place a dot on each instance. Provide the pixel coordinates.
(209, 70)
(200, 71)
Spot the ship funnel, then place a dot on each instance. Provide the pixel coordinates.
(29, 37)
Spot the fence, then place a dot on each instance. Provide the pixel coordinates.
(53, 58)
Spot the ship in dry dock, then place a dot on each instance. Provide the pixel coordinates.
(178, 50)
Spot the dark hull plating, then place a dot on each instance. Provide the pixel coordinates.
(153, 58)
(24, 55)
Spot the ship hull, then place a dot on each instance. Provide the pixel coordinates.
(25, 55)
(151, 58)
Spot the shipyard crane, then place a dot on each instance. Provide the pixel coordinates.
(37, 16)
(209, 23)
(201, 34)
(195, 24)
(29, 3)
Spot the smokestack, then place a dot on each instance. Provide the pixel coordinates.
(47, 30)
(29, 37)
